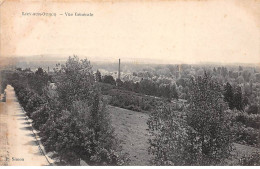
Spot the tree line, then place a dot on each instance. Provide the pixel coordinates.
(145, 86)
(72, 118)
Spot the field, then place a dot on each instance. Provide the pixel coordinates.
(132, 130)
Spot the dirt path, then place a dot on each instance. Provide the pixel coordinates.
(18, 145)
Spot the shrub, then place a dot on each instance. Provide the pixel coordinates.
(33, 103)
(252, 120)
(251, 160)
(133, 101)
(247, 135)
(40, 116)
(253, 109)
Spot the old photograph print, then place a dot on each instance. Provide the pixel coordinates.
(130, 83)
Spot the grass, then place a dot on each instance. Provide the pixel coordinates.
(132, 130)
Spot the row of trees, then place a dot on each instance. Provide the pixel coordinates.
(145, 86)
(72, 119)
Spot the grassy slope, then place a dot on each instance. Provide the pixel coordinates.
(131, 128)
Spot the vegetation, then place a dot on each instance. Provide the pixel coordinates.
(202, 137)
(72, 124)
(251, 160)
(195, 117)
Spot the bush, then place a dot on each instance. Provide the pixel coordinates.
(251, 160)
(33, 103)
(133, 101)
(253, 109)
(247, 135)
(40, 116)
(252, 120)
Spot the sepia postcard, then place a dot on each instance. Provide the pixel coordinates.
(129, 82)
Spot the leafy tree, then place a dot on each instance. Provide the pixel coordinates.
(78, 125)
(206, 115)
(39, 71)
(19, 69)
(229, 95)
(238, 99)
(109, 79)
(119, 83)
(75, 81)
(98, 76)
(174, 92)
(172, 141)
(240, 68)
(200, 137)
(38, 80)
(148, 87)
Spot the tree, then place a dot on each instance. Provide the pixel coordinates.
(39, 71)
(38, 81)
(78, 124)
(109, 79)
(240, 68)
(174, 92)
(206, 115)
(170, 141)
(75, 81)
(119, 83)
(240, 80)
(229, 95)
(200, 137)
(238, 99)
(98, 76)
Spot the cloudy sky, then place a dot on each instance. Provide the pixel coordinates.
(159, 32)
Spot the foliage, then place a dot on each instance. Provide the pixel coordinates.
(252, 120)
(98, 76)
(253, 109)
(238, 99)
(132, 101)
(40, 116)
(234, 97)
(201, 137)
(109, 79)
(78, 125)
(74, 81)
(246, 128)
(229, 95)
(172, 141)
(207, 115)
(250, 160)
(72, 124)
(246, 135)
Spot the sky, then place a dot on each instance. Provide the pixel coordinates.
(139, 31)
